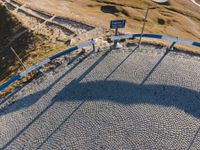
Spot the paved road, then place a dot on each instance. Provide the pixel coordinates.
(195, 3)
(131, 99)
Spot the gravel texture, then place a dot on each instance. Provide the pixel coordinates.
(51, 26)
(120, 99)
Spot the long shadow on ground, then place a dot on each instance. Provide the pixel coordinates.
(130, 94)
(127, 93)
(33, 98)
(36, 96)
(122, 92)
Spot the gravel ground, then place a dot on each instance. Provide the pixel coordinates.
(120, 99)
(52, 26)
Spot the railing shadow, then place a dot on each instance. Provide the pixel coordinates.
(39, 94)
(193, 139)
(12, 94)
(154, 68)
(120, 92)
(127, 93)
(158, 63)
(35, 97)
(122, 61)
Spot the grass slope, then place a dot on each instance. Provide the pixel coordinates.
(178, 18)
(30, 47)
(10, 26)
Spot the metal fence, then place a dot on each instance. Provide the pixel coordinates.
(156, 36)
(43, 62)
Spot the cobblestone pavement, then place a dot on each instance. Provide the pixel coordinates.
(120, 99)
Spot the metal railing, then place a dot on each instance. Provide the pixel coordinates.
(43, 62)
(157, 36)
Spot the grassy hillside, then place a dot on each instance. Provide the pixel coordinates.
(174, 19)
(178, 18)
(30, 47)
(9, 26)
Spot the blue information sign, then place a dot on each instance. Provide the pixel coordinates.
(117, 24)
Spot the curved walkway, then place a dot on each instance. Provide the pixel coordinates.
(195, 3)
(130, 99)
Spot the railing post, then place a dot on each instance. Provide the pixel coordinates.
(115, 42)
(171, 47)
(93, 45)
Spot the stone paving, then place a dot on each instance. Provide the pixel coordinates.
(119, 99)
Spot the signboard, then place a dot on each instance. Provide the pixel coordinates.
(114, 24)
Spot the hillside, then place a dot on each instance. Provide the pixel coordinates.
(9, 27)
(173, 19)
(29, 46)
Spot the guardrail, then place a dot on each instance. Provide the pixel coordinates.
(156, 36)
(92, 42)
(40, 64)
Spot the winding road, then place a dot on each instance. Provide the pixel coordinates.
(195, 3)
(164, 1)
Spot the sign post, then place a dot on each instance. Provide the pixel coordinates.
(143, 27)
(93, 46)
(20, 60)
(116, 24)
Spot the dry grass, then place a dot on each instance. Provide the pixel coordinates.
(179, 19)
(30, 47)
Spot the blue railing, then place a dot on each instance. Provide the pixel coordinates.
(119, 37)
(156, 36)
(38, 65)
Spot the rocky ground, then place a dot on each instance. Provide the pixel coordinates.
(121, 99)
